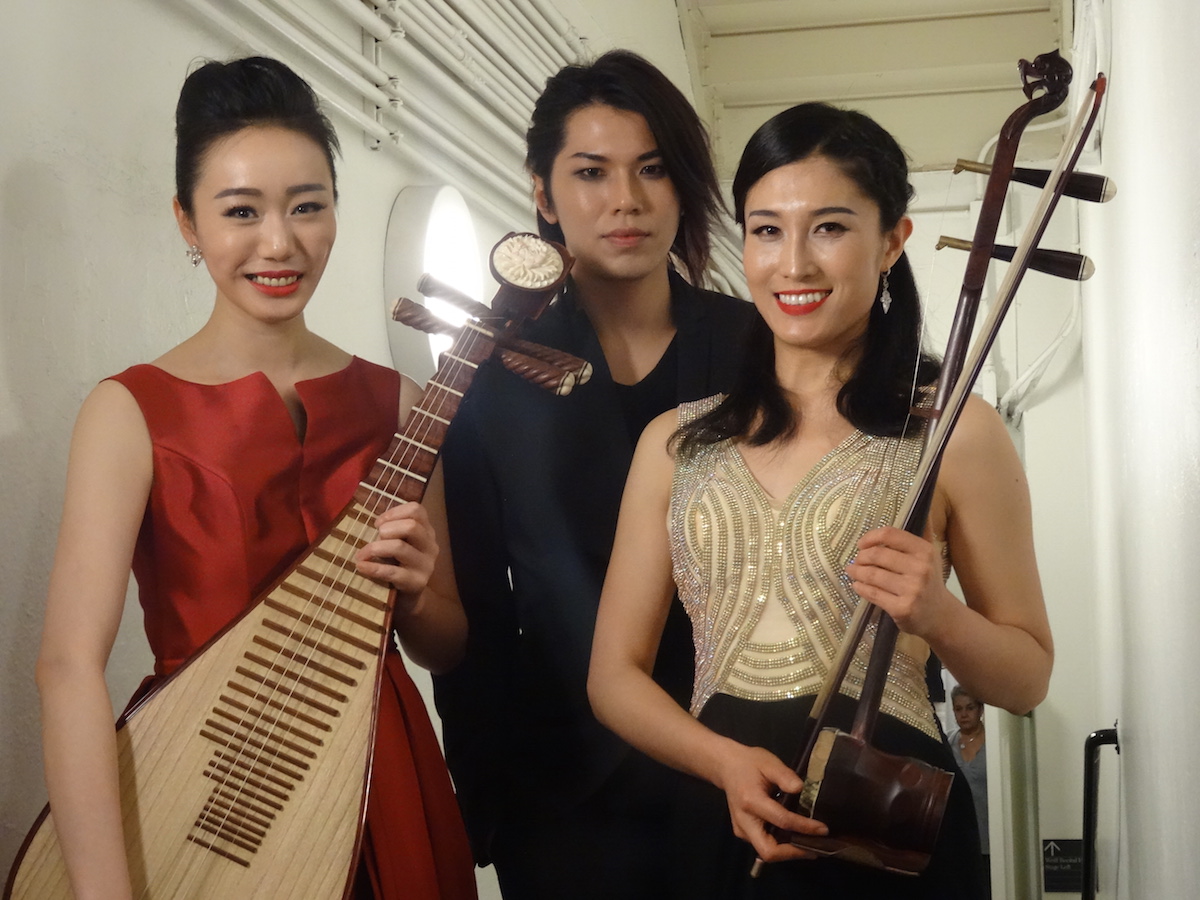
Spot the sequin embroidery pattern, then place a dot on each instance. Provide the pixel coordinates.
(736, 557)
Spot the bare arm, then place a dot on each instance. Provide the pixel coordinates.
(412, 554)
(633, 609)
(108, 483)
(998, 645)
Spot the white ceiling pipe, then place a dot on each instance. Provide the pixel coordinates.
(555, 47)
(483, 20)
(503, 201)
(369, 21)
(380, 100)
(481, 54)
(529, 38)
(428, 119)
(426, 34)
(505, 170)
(504, 206)
(499, 143)
(494, 116)
(352, 56)
(564, 28)
(498, 65)
(293, 36)
(466, 154)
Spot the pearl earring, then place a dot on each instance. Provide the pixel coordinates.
(194, 254)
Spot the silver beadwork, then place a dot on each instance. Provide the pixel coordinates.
(736, 554)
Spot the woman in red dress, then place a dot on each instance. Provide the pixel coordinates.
(214, 467)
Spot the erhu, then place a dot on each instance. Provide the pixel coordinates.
(882, 810)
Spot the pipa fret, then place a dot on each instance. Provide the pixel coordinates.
(275, 757)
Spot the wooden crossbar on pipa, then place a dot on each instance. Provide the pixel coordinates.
(244, 774)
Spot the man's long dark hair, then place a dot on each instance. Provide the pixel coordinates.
(877, 396)
(626, 81)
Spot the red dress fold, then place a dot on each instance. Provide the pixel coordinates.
(236, 497)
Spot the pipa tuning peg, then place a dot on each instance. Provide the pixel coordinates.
(1059, 263)
(429, 286)
(1080, 185)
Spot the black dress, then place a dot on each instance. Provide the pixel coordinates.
(710, 862)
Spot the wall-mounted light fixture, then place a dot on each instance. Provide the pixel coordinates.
(430, 230)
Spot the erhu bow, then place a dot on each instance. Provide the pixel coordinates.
(836, 765)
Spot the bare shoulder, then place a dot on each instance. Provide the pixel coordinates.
(980, 458)
(112, 456)
(980, 442)
(655, 442)
(110, 414)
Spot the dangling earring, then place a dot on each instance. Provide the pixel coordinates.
(194, 254)
(885, 296)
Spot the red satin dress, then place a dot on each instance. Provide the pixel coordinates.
(236, 496)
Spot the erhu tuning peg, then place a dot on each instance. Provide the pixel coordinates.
(1059, 263)
(1080, 185)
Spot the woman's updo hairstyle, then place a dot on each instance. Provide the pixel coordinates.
(221, 98)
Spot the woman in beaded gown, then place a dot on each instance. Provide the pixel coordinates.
(216, 465)
(777, 501)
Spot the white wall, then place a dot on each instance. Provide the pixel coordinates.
(1142, 339)
(93, 276)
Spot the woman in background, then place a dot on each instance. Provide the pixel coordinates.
(770, 511)
(214, 467)
(969, 745)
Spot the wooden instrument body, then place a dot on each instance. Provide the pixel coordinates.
(245, 773)
(240, 775)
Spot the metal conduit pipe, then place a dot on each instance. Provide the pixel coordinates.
(478, 190)
(496, 143)
(380, 100)
(506, 172)
(293, 36)
(482, 20)
(352, 56)
(526, 21)
(564, 28)
(475, 51)
(238, 30)
(509, 206)
(497, 64)
(517, 78)
(427, 35)
(369, 21)
(345, 73)
(471, 162)
(529, 40)
(385, 9)
(497, 116)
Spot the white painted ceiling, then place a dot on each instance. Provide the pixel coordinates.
(941, 75)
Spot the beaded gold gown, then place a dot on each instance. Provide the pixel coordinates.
(763, 581)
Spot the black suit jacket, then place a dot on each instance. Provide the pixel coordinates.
(533, 488)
